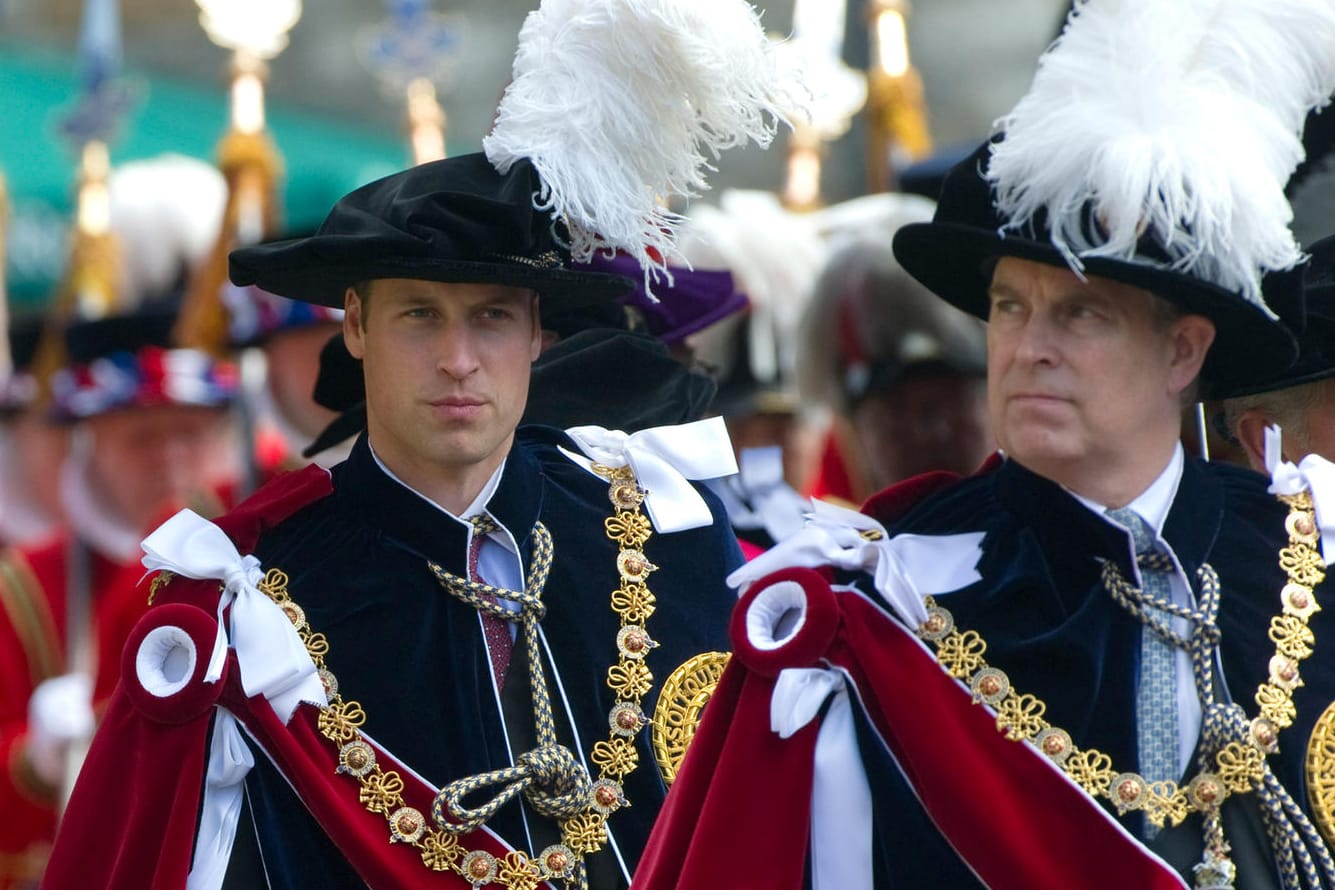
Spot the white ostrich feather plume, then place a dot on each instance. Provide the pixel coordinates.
(621, 104)
(774, 254)
(1183, 116)
(165, 213)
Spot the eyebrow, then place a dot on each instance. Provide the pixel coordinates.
(1001, 289)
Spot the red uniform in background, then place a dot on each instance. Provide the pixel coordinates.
(32, 649)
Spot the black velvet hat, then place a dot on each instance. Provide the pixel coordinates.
(340, 387)
(25, 332)
(19, 389)
(953, 256)
(455, 220)
(87, 340)
(615, 379)
(1316, 343)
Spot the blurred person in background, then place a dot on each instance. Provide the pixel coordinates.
(902, 372)
(278, 343)
(1301, 401)
(148, 434)
(630, 365)
(32, 446)
(774, 254)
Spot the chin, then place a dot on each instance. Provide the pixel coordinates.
(463, 450)
(1042, 451)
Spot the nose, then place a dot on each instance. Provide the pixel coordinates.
(1036, 341)
(458, 354)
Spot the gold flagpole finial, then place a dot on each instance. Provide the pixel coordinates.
(896, 109)
(255, 31)
(426, 122)
(836, 92)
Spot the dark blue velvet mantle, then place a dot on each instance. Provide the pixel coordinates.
(414, 657)
(1049, 623)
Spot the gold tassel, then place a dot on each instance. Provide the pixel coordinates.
(252, 166)
(91, 280)
(896, 109)
(90, 288)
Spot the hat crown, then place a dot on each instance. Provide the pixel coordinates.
(457, 208)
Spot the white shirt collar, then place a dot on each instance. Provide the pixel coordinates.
(477, 506)
(1153, 503)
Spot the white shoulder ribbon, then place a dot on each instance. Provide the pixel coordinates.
(273, 660)
(776, 507)
(1313, 473)
(224, 786)
(663, 459)
(841, 809)
(904, 568)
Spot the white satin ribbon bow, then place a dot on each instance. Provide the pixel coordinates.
(904, 568)
(775, 506)
(663, 459)
(841, 808)
(1313, 473)
(273, 660)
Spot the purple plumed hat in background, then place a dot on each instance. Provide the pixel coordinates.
(696, 298)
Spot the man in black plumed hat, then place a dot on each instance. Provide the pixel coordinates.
(1101, 610)
(435, 664)
(1301, 401)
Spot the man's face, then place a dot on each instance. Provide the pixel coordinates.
(148, 460)
(41, 446)
(1081, 375)
(929, 421)
(447, 368)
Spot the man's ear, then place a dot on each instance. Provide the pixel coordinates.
(353, 328)
(1191, 336)
(1251, 435)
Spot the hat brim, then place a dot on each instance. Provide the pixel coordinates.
(1316, 354)
(952, 260)
(294, 269)
(733, 304)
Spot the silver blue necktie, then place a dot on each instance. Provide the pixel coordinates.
(1156, 693)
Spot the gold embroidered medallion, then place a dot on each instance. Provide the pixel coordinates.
(1321, 773)
(685, 693)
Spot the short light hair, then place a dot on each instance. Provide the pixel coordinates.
(1290, 407)
(1163, 313)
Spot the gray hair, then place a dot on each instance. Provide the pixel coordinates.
(1291, 408)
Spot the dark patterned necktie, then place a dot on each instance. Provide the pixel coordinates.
(496, 630)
